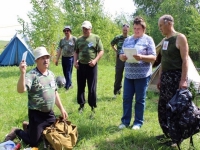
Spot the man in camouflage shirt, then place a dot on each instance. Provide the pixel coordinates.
(116, 44)
(88, 50)
(66, 49)
(42, 96)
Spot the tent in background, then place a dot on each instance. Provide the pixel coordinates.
(12, 54)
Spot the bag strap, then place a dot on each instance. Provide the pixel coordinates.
(191, 141)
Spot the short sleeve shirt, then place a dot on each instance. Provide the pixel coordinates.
(41, 90)
(118, 41)
(145, 46)
(67, 46)
(88, 48)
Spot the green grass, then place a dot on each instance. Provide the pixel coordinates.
(100, 133)
(2, 45)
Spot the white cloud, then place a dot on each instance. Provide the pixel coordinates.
(119, 6)
(9, 10)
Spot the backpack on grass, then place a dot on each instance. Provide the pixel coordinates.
(183, 117)
(62, 135)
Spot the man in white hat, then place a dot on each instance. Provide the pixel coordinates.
(66, 49)
(88, 51)
(42, 96)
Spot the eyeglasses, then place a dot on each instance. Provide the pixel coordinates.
(66, 30)
(126, 25)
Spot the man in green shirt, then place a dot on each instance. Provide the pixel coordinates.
(88, 51)
(116, 44)
(66, 49)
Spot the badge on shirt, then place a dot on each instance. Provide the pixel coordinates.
(71, 43)
(90, 44)
(52, 84)
(165, 45)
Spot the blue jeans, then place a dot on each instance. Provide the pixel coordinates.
(139, 88)
(67, 66)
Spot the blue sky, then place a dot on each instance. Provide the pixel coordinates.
(10, 9)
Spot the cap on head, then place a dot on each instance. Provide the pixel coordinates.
(87, 24)
(39, 52)
(67, 27)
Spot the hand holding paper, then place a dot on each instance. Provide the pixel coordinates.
(129, 52)
(24, 56)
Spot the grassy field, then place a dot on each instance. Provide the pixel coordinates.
(100, 133)
(2, 45)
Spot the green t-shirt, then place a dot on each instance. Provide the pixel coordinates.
(118, 40)
(67, 46)
(41, 90)
(88, 48)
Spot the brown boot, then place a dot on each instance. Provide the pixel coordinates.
(11, 136)
(25, 125)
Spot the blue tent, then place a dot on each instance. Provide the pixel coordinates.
(12, 54)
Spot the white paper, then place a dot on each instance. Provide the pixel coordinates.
(24, 55)
(129, 52)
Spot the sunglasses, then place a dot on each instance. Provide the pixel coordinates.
(138, 21)
(125, 25)
(66, 30)
(167, 19)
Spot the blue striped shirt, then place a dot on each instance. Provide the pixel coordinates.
(145, 46)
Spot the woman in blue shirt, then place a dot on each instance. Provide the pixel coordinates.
(137, 73)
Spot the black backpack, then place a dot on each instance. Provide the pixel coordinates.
(183, 117)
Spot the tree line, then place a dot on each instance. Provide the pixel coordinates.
(48, 17)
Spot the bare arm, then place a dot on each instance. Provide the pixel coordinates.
(114, 48)
(76, 60)
(93, 62)
(60, 106)
(58, 56)
(21, 87)
(182, 45)
(146, 58)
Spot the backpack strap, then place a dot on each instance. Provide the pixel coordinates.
(178, 145)
(191, 141)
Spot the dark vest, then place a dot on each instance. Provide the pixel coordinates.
(171, 57)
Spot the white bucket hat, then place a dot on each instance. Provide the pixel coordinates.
(87, 25)
(39, 52)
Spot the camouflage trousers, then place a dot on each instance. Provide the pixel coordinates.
(168, 87)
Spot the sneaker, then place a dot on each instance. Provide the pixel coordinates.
(92, 113)
(135, 127)
(171, 144)
(11, 136)
(115, 96)
(70, 87)
(122, 126)
(119, 92)
(81, 108)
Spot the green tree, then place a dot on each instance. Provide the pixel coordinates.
(48, 17)
(185, 13)
(46, 20)
(92, 10)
